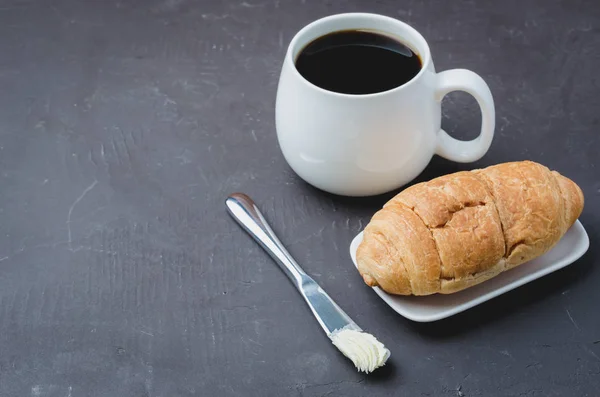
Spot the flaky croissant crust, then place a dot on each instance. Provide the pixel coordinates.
(461, 229)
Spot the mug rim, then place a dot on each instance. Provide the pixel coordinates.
(425, 57)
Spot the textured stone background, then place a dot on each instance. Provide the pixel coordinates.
(123, 126)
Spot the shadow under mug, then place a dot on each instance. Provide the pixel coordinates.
(362, 145)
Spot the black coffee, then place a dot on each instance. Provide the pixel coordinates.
(357, 62)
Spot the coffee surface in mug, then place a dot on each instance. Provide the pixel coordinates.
(357, 62)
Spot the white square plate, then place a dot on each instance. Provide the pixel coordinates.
(436, 307)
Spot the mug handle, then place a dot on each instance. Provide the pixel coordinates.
(471, 83)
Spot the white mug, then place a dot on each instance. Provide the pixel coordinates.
(361, 145)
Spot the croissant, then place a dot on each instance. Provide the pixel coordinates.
(461, 229)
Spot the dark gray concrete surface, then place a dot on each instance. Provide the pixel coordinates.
(123, 126)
